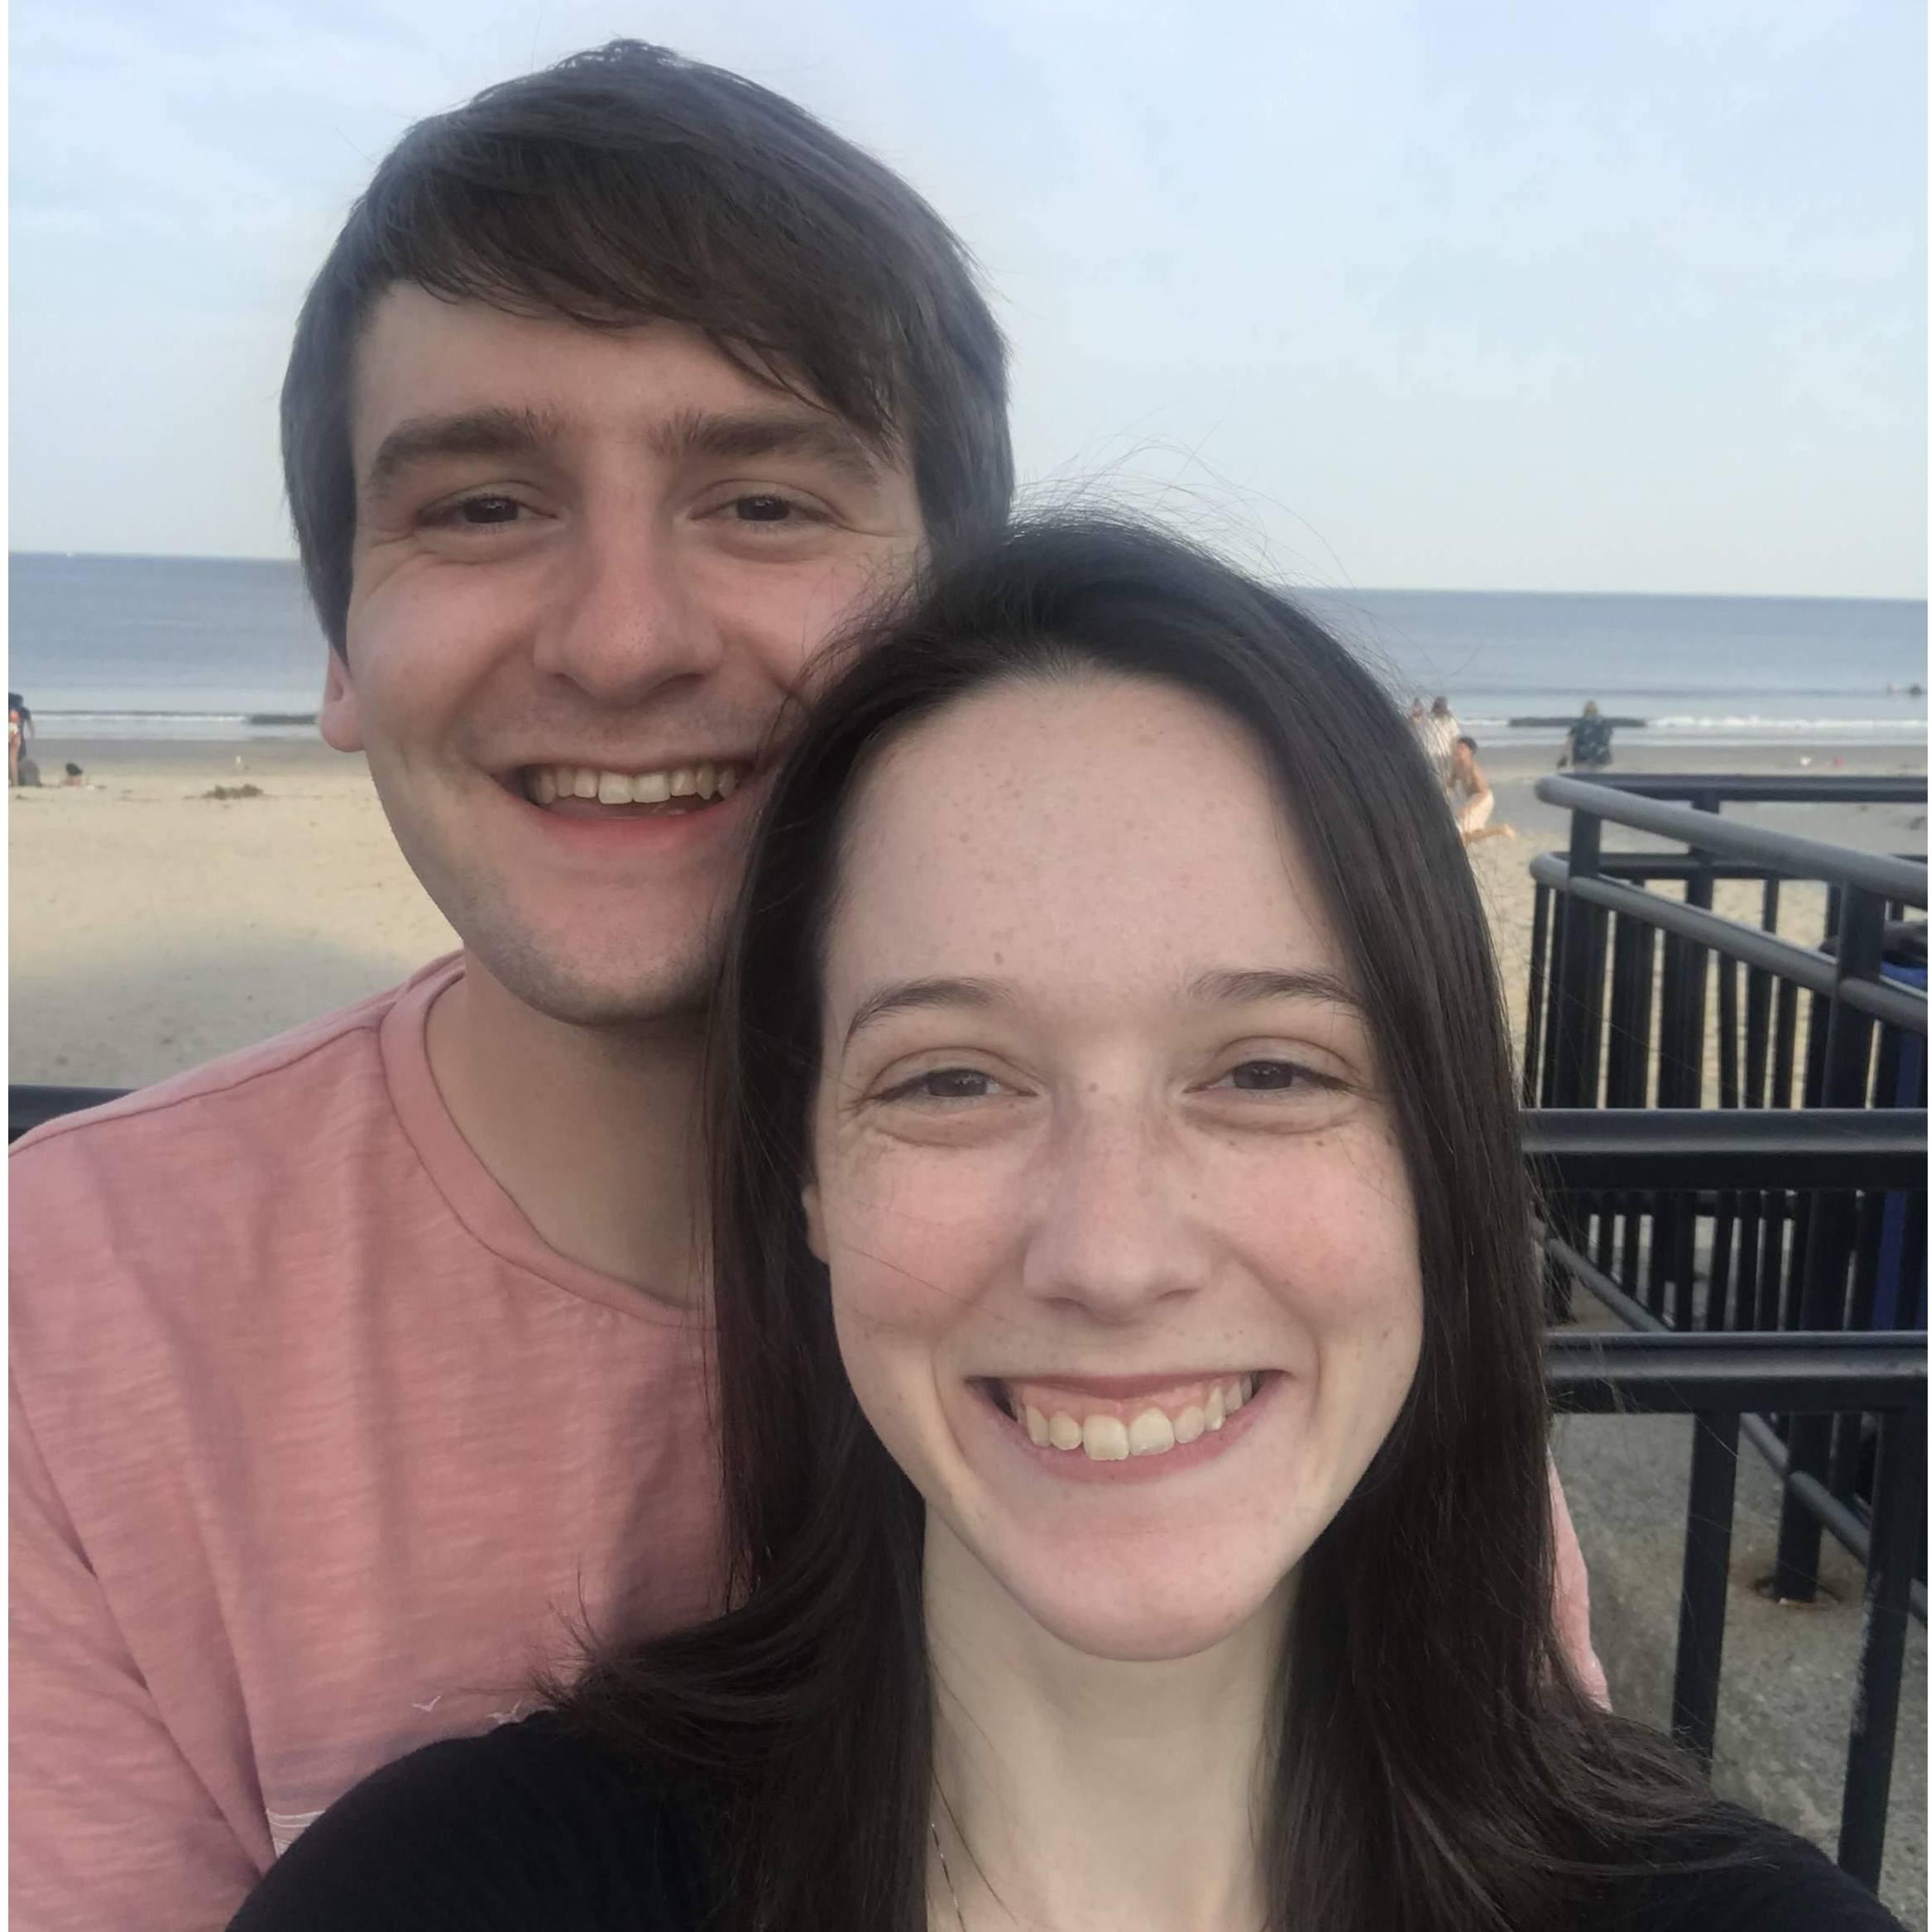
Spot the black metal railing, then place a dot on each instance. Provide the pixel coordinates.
(1828, 1027)
(29, 1107)
(1595, 1155)
(1718, 1380)
(1593, 956)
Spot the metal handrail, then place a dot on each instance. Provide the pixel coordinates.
(1792, 1372)
(1787, 852)
(1584, 1149)
(1815, 971)
(29, 1106)
(1768, 788)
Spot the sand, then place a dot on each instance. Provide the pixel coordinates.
(154, 927)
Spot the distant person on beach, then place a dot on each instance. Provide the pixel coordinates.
(357, 1373)
(1587, 748)
(74, 775)
(21, 769)
(1470, 797)
(1435, 731)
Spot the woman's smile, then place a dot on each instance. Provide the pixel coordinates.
(1104, 1430)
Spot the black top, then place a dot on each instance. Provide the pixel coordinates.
(532, 1826)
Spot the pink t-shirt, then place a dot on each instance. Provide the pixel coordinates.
(317, 1451)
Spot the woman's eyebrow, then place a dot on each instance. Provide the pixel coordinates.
(1223, 985)
(1233, 986)
(908, 995)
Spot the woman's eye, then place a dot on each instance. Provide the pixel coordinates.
(1272, 1077)
(946, 1083)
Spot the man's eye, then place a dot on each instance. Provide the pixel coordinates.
(476, 511)
(489, 509)
(763, 509)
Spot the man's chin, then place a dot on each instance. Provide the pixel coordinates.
(640, 989)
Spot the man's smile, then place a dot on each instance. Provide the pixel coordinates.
(574, 790)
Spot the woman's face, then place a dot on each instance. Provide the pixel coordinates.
(1122, 1250)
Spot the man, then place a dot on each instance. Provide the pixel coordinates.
(356, 1374)
(1587, 747)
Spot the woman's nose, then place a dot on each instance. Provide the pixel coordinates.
(1116, 1227)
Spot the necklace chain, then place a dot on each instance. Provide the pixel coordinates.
(945, 1872)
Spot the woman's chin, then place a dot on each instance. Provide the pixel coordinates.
(1152, 1621)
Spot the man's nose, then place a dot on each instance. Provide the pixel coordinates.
(624, 619)
(1117, 1228)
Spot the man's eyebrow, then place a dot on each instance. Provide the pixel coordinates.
(908, 995)
(494, 431)
(1234, 986)
(744, 435)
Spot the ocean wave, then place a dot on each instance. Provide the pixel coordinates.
(43, 716)
(1904, 728)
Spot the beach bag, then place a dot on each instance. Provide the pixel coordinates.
(30, 771)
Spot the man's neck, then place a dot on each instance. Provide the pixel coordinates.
(590, 1131)
(1078, 1792)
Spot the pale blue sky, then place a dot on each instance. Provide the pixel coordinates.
(1626, 295)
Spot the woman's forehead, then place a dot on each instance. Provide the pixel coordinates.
(1094, 828)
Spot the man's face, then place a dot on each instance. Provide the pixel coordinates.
(589, 565)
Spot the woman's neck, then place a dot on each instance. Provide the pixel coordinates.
(1077, 1792)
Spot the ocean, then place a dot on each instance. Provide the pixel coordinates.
(197, 647)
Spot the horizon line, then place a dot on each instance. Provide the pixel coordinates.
(1290, 584)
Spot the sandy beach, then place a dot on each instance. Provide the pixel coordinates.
(155, 926)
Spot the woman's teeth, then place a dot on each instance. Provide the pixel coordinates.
(546, 783)
(1107, 1435)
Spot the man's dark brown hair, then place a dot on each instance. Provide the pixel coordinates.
(628, 184)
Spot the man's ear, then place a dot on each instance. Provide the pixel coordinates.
(340, 718)
(815, 1223)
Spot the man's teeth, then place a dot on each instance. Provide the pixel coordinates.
(546, 783)
(1150, 1431)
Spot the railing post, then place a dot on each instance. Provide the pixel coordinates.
(1706, 1582)
(1538, 970)
(1571, 1000)
(1896, 1515)
(1843, 1073)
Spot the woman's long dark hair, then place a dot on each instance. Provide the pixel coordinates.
(1435, 1766)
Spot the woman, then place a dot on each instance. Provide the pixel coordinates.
(1130, 1374)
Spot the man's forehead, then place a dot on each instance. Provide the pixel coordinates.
(419, 358)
